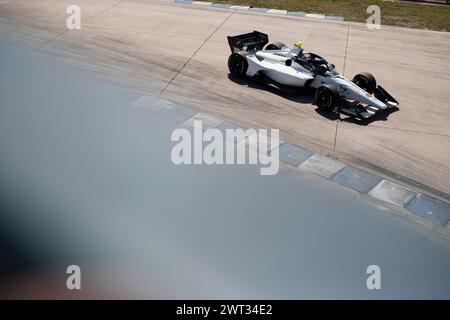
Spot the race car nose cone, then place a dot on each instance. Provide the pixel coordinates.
(382, 106)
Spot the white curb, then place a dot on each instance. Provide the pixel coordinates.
(393, 193)
(315, 15)
(321, 165)
(277, 11)
(202, 3)
(240, 7)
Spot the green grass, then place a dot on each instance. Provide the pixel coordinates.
(396, 13)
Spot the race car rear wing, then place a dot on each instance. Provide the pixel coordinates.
(248, 41)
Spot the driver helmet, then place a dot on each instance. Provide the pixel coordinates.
(299, 48)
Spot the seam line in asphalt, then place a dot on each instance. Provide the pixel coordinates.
(195, 53)
(335, 139)
(346, 47)
(104, 10)
(82, 21)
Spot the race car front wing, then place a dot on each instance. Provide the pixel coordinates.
(358, 110)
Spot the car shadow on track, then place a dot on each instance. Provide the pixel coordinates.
(383, 116)
(306, 96)
(361, 122)
(292, 94)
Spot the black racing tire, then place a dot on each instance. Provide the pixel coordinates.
(237, 64)
(365, 81)
(275, 46)
(327, 98)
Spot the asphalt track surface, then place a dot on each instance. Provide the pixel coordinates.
(180, 52)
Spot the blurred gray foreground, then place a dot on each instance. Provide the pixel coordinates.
(87, 179)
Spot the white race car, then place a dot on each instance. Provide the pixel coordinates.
(284, 67)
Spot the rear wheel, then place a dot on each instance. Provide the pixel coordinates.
(275, 46)
(326, 98)
(237, 64)
(365, 81)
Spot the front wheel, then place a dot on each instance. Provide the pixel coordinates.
(365, 81)
(237, 64)
(326, 98)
